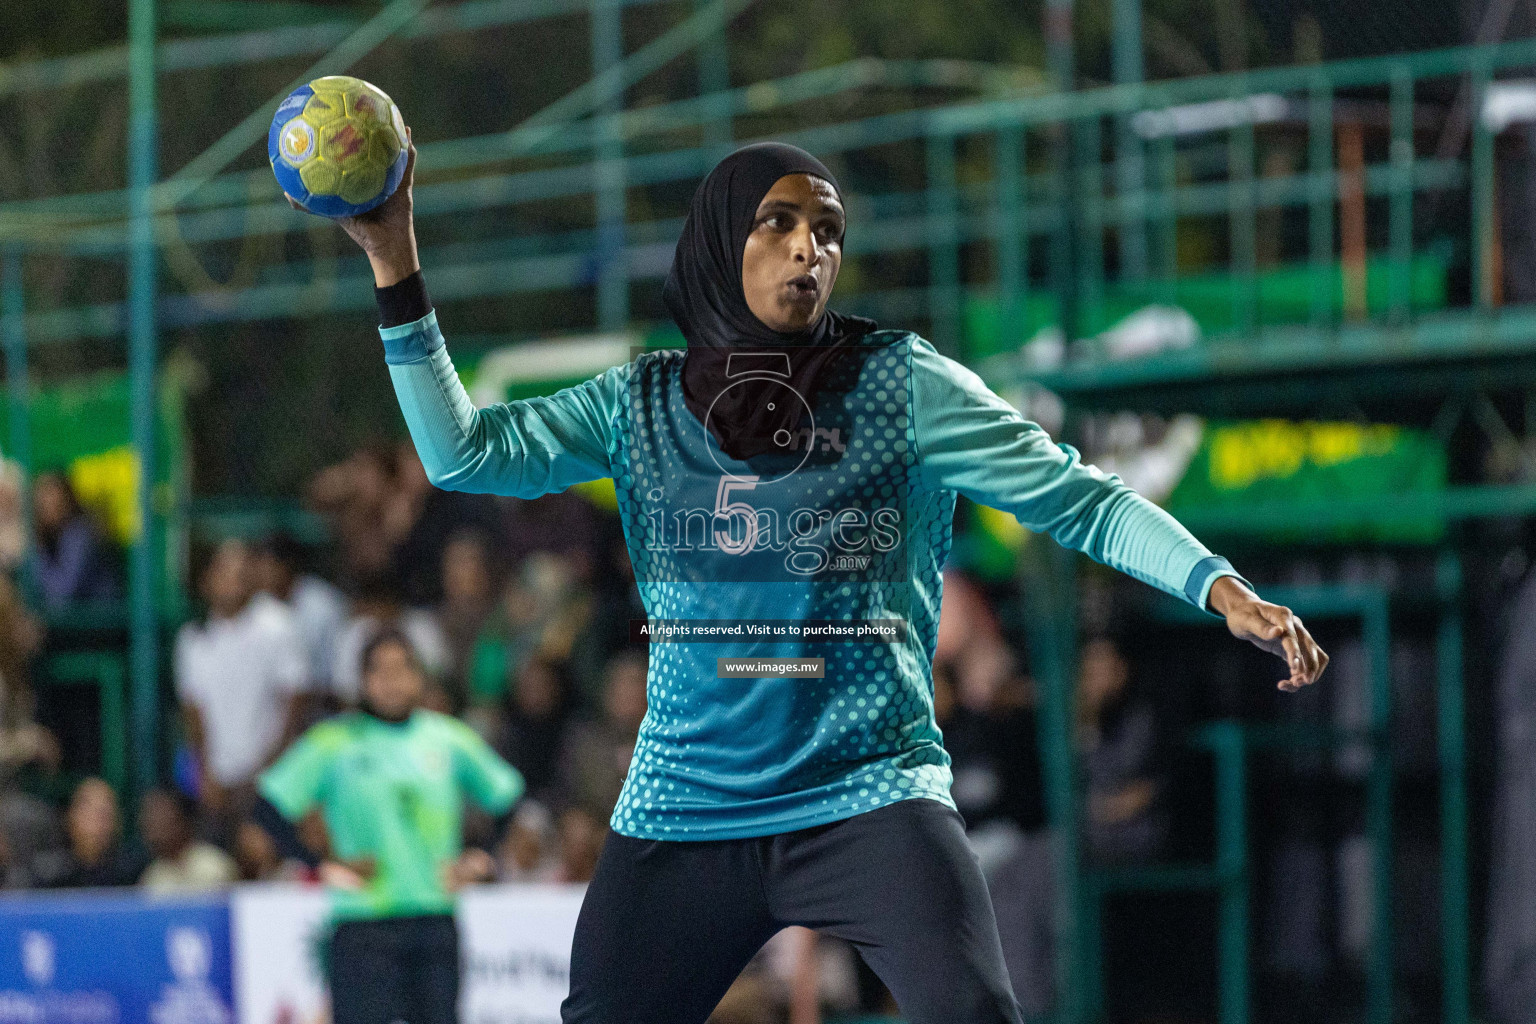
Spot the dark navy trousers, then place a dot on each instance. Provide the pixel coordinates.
(667, 926)
(395, 969)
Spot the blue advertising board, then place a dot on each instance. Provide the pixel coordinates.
(114, 958)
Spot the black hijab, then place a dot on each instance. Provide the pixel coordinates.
(704, 295)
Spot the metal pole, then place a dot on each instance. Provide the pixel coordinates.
(1012, 238)
(1060, 646)
(144, 645)
(1243, 228)
(13, 332)
(943, 246)
(1058, 40)
(1058, 43)
(612, 274)
(1232, 868)
(1167, 158)
(1401, 205)
(1089, 244)
(1130, 164)
(1483, 285)
(1320, 200)
(715, 79)
(1378, 811)
(1091, 942)
(1055, 581)
(1455, 993)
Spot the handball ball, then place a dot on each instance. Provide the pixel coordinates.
(338, 146)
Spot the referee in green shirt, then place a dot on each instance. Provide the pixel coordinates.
(391, 780)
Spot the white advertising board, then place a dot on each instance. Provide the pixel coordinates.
(515, 942)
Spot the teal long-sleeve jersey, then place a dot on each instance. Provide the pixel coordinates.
(849, 522)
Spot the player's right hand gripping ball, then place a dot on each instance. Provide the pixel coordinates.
(338, 146)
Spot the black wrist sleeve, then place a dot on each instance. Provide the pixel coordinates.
(283, 833)
(403, 302)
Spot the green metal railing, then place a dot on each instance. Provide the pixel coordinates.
(1228, 877)
(1231, 743)
(986, 235)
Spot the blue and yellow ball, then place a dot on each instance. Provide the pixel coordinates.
(338, 146)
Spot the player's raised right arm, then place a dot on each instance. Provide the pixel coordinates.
(525, 448)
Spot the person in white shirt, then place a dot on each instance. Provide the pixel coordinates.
(182, 862)
(240, 676)
(319, 608)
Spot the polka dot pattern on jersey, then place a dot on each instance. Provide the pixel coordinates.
(849, 535)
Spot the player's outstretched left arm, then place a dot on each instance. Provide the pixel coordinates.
(971, 441)
(1271, 627)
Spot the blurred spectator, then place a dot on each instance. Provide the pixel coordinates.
(20, 637)
(182, 862)
(30, 839)
(1509, 968)
(29, 753)
(13, 517)
(528, 852)
(419, 522)
(984, 706)
(965, 617)
(351, 496)
(256, 854)
(984, 709)
(379, 605)
(597, 754)
(22, 740)
(534, 726)
(581, 834)
(1118, 747)
(616, 600)
(800, 975)
(241, 677)
(70, 563)
(319, 609)
(990, 735)
(469, 596)
(29, 826)
(565, 524)
(435, 698)
(544, 611)
(95, 855)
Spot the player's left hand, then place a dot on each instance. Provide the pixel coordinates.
(471, 866)
(1271, 627)
(351, 877)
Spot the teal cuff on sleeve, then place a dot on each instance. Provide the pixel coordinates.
(412, 342)
(1197, 589)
